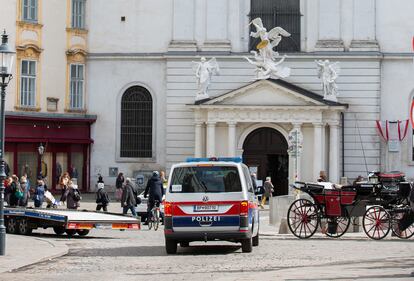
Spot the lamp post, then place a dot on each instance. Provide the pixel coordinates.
(6, 64)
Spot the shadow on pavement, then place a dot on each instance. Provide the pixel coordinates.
(64, 236)
(151, 251)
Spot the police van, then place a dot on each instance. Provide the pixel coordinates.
(210, 199)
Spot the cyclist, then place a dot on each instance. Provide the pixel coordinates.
(155, 191)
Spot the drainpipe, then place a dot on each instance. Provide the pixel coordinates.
(343, 144)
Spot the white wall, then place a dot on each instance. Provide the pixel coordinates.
(107, 82)
(147, 27)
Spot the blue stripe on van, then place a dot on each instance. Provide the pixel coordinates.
(198, 221)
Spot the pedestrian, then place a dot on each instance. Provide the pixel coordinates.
(63, 185)
(15, 192)
(128, 201)
(268, 190)
(322, 177)
(39, 193)
(155, 191)
(102, 198)
(7, 189)
(119, 184)
(26, 191)
(163, 180)
(72, 196)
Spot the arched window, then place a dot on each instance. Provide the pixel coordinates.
(283, 13)
(136, 123)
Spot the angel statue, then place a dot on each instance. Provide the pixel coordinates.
(265, 60)
(203, 71)
(328, 72)
(266, 46)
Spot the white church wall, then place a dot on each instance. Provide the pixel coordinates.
(147, 26)
(108, 81)
(396, 93)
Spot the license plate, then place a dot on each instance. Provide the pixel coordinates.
(205, 208)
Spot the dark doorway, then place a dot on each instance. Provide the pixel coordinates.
(266, 149)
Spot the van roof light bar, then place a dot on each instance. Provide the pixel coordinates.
(215, 159)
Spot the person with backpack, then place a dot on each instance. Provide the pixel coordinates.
(15, 191)
(39, 193)
(72, 196)
(102, 198)
(26, 193)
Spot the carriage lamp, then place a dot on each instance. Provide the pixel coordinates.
(6, 65)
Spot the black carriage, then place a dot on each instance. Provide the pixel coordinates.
(382, 202)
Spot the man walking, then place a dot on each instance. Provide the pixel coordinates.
(128, 201)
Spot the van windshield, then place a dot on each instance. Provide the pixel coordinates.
(205, 179)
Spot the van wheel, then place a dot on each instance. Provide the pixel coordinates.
(59, 230)
(255, 239)
(170, 246)
(82, 232)
(23, 227)
(11, 226)
(247, 245)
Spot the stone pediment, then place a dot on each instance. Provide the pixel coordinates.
(269, 92)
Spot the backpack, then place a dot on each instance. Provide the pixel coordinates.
(18, 193)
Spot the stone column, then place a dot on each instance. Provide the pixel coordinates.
(198, 139)
(364, 38)
(211, 139)
(334, 152)
(231, 139)
(183, 26)
(329, 26)
(317, 149)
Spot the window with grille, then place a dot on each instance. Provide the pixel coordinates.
(28, 83)
(76, 86)
(283, 13)
(29, 12)
(78, 14)
(136, 123)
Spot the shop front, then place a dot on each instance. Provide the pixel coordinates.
(49, 145)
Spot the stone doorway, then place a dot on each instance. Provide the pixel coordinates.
(266, 149)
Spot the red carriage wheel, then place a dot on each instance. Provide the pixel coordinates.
(342, 225)
(303, 218)
(405, 234)
(376, 222)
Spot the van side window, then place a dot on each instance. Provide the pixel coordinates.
(249, 183)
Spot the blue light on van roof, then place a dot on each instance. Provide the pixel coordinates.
(223, 159)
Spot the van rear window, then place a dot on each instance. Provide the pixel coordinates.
(202, 179)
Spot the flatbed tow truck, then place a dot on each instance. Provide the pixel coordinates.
(24, 220)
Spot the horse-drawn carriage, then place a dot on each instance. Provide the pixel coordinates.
(382, 201)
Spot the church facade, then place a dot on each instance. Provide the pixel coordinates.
(140, 85)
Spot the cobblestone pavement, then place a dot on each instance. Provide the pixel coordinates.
(140, 255)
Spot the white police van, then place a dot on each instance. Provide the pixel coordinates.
(210, 199)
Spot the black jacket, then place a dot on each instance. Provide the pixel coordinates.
(154, 188)
(128, 197)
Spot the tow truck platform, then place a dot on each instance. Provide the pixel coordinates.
(25, 220)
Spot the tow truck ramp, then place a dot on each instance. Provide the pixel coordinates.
(25, 220)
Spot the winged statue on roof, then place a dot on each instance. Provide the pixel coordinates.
(204, 70)
(265, 61)
(328, 73)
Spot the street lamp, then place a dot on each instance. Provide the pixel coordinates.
(6, 64)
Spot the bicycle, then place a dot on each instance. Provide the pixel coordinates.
(154, 218)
